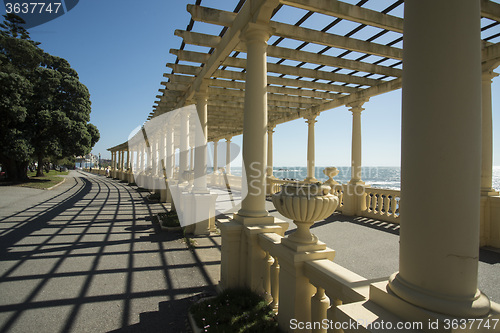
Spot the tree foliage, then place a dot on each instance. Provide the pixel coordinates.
(45, 109)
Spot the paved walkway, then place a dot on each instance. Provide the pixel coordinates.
(86, 257)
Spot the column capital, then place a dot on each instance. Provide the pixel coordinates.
(202, 90)
(488, 75)
(357, 106)
(228, 139)
(256, 32)
(201, 96)
(270, 128)
(311, 119)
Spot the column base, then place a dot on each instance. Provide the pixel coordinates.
(382, 296)
(252, 220)
(474, 307)
(354, 198)
(489, 192)
(311, 180)
(297, 247)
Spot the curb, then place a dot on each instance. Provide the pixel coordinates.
(56, 185)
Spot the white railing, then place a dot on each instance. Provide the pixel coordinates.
(338, 190)
(274, 185)
(225, 181)
(382, 204)
(332, 284)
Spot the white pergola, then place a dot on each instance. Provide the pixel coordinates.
(267, 62)
(356, 54)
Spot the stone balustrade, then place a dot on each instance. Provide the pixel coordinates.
(338, 190)
(382, 204)
(328, 284)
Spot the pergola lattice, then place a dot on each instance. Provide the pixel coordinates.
(322, 54)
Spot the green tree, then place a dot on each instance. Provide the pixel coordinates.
(45, 109)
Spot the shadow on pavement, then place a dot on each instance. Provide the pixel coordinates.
(90, 259)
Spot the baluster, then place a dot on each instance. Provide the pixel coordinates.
(387, 200)
(267, 277)
(393, 205)
(275, 284)
(368, 202)
(380, 204)
(398, 203)
(319, 306)
(330, 313)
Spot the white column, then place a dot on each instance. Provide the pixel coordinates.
(184, 145)
(255, 123)
(216, 167)
(137, 160)
(119, 160)
(440, 156)
(228, 155)
(128, 159)
(191, 156)
(487, 135)
(161, 154)
(200, 169)
(154, 155)
(142, 151)
(356, 109)
(270, 131)
(170, 153)
(149, 154)
(311, 120)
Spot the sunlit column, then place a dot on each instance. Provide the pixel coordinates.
(170, 152)
(311, 120)
(255, 122)
(128, 159)
(487, 135)
(270, 131)
(161, 153)
(216, 167)
(154, 155)
(140, 158)
(440, 156)
(184, 145)
(200, 169)
(356, 110)
(228, 155)
(191, 155)
(137, 160)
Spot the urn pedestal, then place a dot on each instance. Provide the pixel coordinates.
(305, 204)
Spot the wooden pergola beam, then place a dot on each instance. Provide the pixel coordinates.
(205, 14)
(349, 12)
(491, 10)
(303, 56)
(232, 75)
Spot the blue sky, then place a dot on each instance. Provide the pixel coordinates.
(120, 49)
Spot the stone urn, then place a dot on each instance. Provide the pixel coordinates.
(331, 172)
(304, 204)
(188, 176)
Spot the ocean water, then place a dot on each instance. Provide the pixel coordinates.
(378, 177)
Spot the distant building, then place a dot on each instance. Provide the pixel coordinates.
(89, 160)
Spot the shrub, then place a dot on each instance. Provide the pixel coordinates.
(235, 310)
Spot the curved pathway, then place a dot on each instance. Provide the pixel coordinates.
(85, 257)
